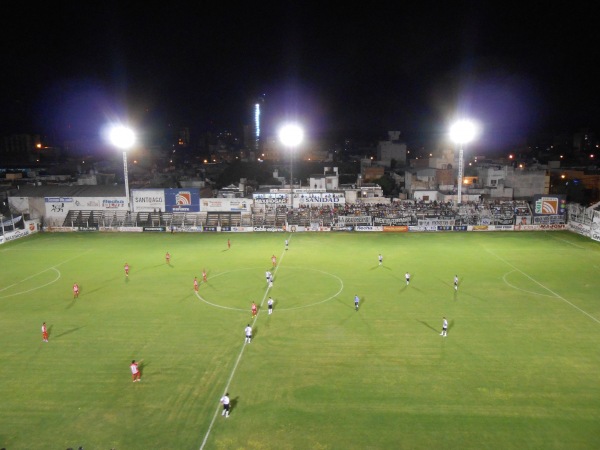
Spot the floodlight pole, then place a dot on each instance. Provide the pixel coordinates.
(126, 175)
(460, 172)
(292, 173)
(291, 136)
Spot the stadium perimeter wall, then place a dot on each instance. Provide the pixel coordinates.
(591, 230)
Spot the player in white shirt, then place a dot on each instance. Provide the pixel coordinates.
(456, 282)
(270, 305)
(444, 327)
(407, 277)
(248, 331)
(268, 276)
(380, 259)
(225, 402)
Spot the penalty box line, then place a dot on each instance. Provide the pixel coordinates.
(544, 287)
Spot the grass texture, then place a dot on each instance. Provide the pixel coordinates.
(518, 369)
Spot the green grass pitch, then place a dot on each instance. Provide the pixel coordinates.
(519, 368)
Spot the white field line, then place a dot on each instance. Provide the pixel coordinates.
(544, 287)
(212, 422)
(568, 242)
(39, 273)
(197, 293)
(522, 290)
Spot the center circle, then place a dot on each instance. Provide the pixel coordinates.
(294, 287)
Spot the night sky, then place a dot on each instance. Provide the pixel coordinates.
(346, 71)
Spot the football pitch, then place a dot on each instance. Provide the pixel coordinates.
(518, 369)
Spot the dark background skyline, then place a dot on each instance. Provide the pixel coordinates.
(347, 71)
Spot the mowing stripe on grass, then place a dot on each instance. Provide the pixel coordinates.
(544, 287)
(216, 414)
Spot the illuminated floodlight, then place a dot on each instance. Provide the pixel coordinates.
(291, 135)
(463, 131)
(122, 137)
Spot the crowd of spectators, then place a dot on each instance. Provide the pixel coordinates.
(403, 212)
(410, 212)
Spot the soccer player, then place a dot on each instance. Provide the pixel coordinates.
(270, 305)
(254, 310)
(44, 332)
(456, 282)
(248, 331)
(274, 260)
(407, 277)
(228, 243)
(380, 259)
(268, 276)
(135, 371)
(196, 284)
(168, 258)
(126, 267)
(75, 290)
(225, 402)
(287, 243)
(356, 300)
(204, 275)
(444, 327)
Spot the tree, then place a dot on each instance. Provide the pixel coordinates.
(387, 184)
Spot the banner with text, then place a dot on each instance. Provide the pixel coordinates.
(58, 207)
(148, 200)
(225, 205)
(270, 199)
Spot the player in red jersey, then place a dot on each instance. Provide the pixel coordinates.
(126, 267)
(254, 310)
(44, 332)
(274, 260)
(135, 371)
(196, 284)
(168, 258)
(204, 275)
(75, 290)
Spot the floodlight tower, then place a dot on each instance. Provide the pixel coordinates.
(291, 135)
(123, 138)
(462, 132)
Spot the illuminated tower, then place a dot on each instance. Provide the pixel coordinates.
(257, 121)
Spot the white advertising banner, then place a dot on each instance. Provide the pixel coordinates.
(148, 200)
(225, 205)
(319, 198)
(270, 199)
(354, 220)
(58, 207)
(595, 232)
(368, 228)
(579, 228)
